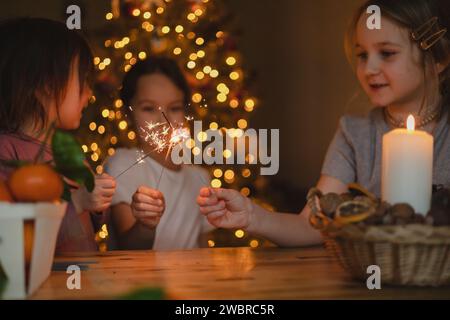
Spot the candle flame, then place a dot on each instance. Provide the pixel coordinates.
(410, 123)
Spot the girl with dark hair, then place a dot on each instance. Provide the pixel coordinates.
(151, 87)
(44, 79)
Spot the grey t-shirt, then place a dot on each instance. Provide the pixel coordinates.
(354, 154)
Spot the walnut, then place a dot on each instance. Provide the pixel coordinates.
(329, 203)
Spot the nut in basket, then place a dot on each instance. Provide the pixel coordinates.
(362, 230)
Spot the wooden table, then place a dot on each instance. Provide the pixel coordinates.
(219, 273)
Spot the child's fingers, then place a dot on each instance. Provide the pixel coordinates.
(105, 184)
(215, 215)
(141, 206)
(219, 206)
(205, 192)
(106, 192)
(147, 214)
(206, 210)
(202, 201)
(150, 192)
(140, 197)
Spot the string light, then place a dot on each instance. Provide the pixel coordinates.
(111, 115)
(191, 17)
(199, 41)
(190, 143)
(217, 173)
(234, 75)
(229, 174)
(249, 105)
(245, 191)
(239, 233)
(165, 29)
(213, 126)
(109, 16)
(202, 136)
(92, 126)
(111, 151)
(191, 64)
(94, 146)
(254, 243)
(242, 123)
(197, 97)
(179, 29)
(136, 12)
(207, 69)
(201, 53)
(147, 15)
(234, 103)
(214, 73)
(101, 129)
(211, 243)
(160, 10)
(200, 75)
(118, 103)
(226, 153)
(177, 51)
(131, 135)
(85, 148)
(142, 55)
(246, 173)
(221, 97)
(113, 140)
(123, 125)
(216, 183)
(105, 113)
(96, 60)
(230, 61)
(196, 151)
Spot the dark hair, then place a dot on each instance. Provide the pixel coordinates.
(152, 65)
(412, 14)
(37, 55)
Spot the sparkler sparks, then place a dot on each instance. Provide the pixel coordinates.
(162, 136)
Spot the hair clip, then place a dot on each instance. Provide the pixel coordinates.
(424, 30)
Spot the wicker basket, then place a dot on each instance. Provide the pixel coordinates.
(415, 254)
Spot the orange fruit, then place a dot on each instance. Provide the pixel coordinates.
(5, 194)
(36, 183)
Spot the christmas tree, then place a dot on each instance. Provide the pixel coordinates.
(198, 34)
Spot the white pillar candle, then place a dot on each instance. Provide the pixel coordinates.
(407, 167)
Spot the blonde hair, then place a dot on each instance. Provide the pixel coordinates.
(412, 14)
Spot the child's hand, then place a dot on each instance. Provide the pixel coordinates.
(225, 208)
(99, 199)
(148, 206)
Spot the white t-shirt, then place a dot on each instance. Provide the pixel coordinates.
(182, 222)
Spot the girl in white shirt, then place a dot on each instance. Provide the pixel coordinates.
(141, 216)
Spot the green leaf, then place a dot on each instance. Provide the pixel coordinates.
(70, 161)
(67, 195)
(145, 294)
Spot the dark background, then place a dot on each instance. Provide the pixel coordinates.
(304, 82)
